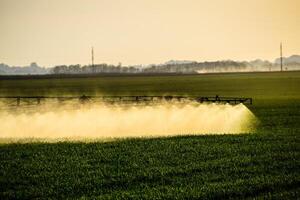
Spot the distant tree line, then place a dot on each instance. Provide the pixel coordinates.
(173, 66)
(185, 68)
(98, 68)
(194, 67)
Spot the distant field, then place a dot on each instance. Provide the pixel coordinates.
(257, 85)
(264, 164)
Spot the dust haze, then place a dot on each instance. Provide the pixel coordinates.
(103, 121)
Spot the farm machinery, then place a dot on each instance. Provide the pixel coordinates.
(35, 100)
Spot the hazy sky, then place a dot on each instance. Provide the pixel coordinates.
(52, 32)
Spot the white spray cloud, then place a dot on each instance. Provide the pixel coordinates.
(116, 121)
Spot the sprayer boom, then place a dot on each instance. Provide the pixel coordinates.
(134, 99)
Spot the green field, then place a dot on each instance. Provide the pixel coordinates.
(264, 164)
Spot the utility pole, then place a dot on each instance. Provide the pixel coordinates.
(93, 67)
(281, 61)
(92, 56)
